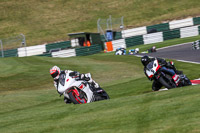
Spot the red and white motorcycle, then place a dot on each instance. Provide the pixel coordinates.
(79, 91)
(154, 72)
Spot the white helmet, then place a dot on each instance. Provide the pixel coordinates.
(122, 46)
(137, 50)
(55, 72)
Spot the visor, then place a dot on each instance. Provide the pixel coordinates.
(55, 74)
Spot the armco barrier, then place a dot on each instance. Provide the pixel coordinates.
(199, 29)
(181, 23)
(9, 53)
(134, 32)
(64, 53)
(189, 31)
(32, 50)
(196, 20)
(135, 40)
(172, 34)
(178, 29)
(62, 45)
(153, 38)
(82, 51)
(158, 27)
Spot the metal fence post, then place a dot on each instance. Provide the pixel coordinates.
(24, 43)
(2, 54)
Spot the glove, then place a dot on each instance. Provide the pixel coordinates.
(169, 64)
(172, 63)
(84, 77)
(88, 77)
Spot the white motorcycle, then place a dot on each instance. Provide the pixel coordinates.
(80, 91)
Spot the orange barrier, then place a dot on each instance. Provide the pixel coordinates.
(109, 46)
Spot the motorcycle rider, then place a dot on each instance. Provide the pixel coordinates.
(167, 67)
(55, 72)
(120, 51)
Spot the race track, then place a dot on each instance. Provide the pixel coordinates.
(181, 52)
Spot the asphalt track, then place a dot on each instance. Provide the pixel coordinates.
(181, 52)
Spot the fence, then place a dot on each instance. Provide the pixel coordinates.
(9, 45)
(127, 38)
(115, 25)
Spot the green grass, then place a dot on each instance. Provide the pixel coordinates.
(44, 21)
(30, 103)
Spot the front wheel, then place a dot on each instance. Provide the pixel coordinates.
(100, 94)
(156, 85)
(75, 97)
(165, 83)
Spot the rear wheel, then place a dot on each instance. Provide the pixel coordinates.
(75, 98)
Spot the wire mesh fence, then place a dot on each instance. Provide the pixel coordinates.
(10, 45)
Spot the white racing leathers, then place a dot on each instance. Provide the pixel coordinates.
(77, 91)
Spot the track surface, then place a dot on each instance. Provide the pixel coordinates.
(182, 52)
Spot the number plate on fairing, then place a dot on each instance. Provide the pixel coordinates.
(81, 86)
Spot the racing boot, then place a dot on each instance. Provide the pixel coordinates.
(176, 79)
(67, 101)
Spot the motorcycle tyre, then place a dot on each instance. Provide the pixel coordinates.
(164, 83)
(105, 94)
(73, 99)
(156, 85)
(102, 96)
(187, 81)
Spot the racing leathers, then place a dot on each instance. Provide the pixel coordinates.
(77, 76)
(167, 67)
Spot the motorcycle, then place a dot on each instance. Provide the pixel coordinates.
(80, 91)
(154, 72)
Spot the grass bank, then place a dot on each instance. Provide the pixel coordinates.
(30, 103)
(50, 21)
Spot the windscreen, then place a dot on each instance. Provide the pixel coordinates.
(62, 79)
(150, 65)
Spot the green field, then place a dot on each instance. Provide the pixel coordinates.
(44, 21)
(30, 103)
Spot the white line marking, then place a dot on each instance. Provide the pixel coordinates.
(174, 59)
(174, 45)
(189, 61)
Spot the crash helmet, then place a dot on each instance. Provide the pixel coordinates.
(137, 50)
(122, 47)
(55, 72)
(145, 60)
